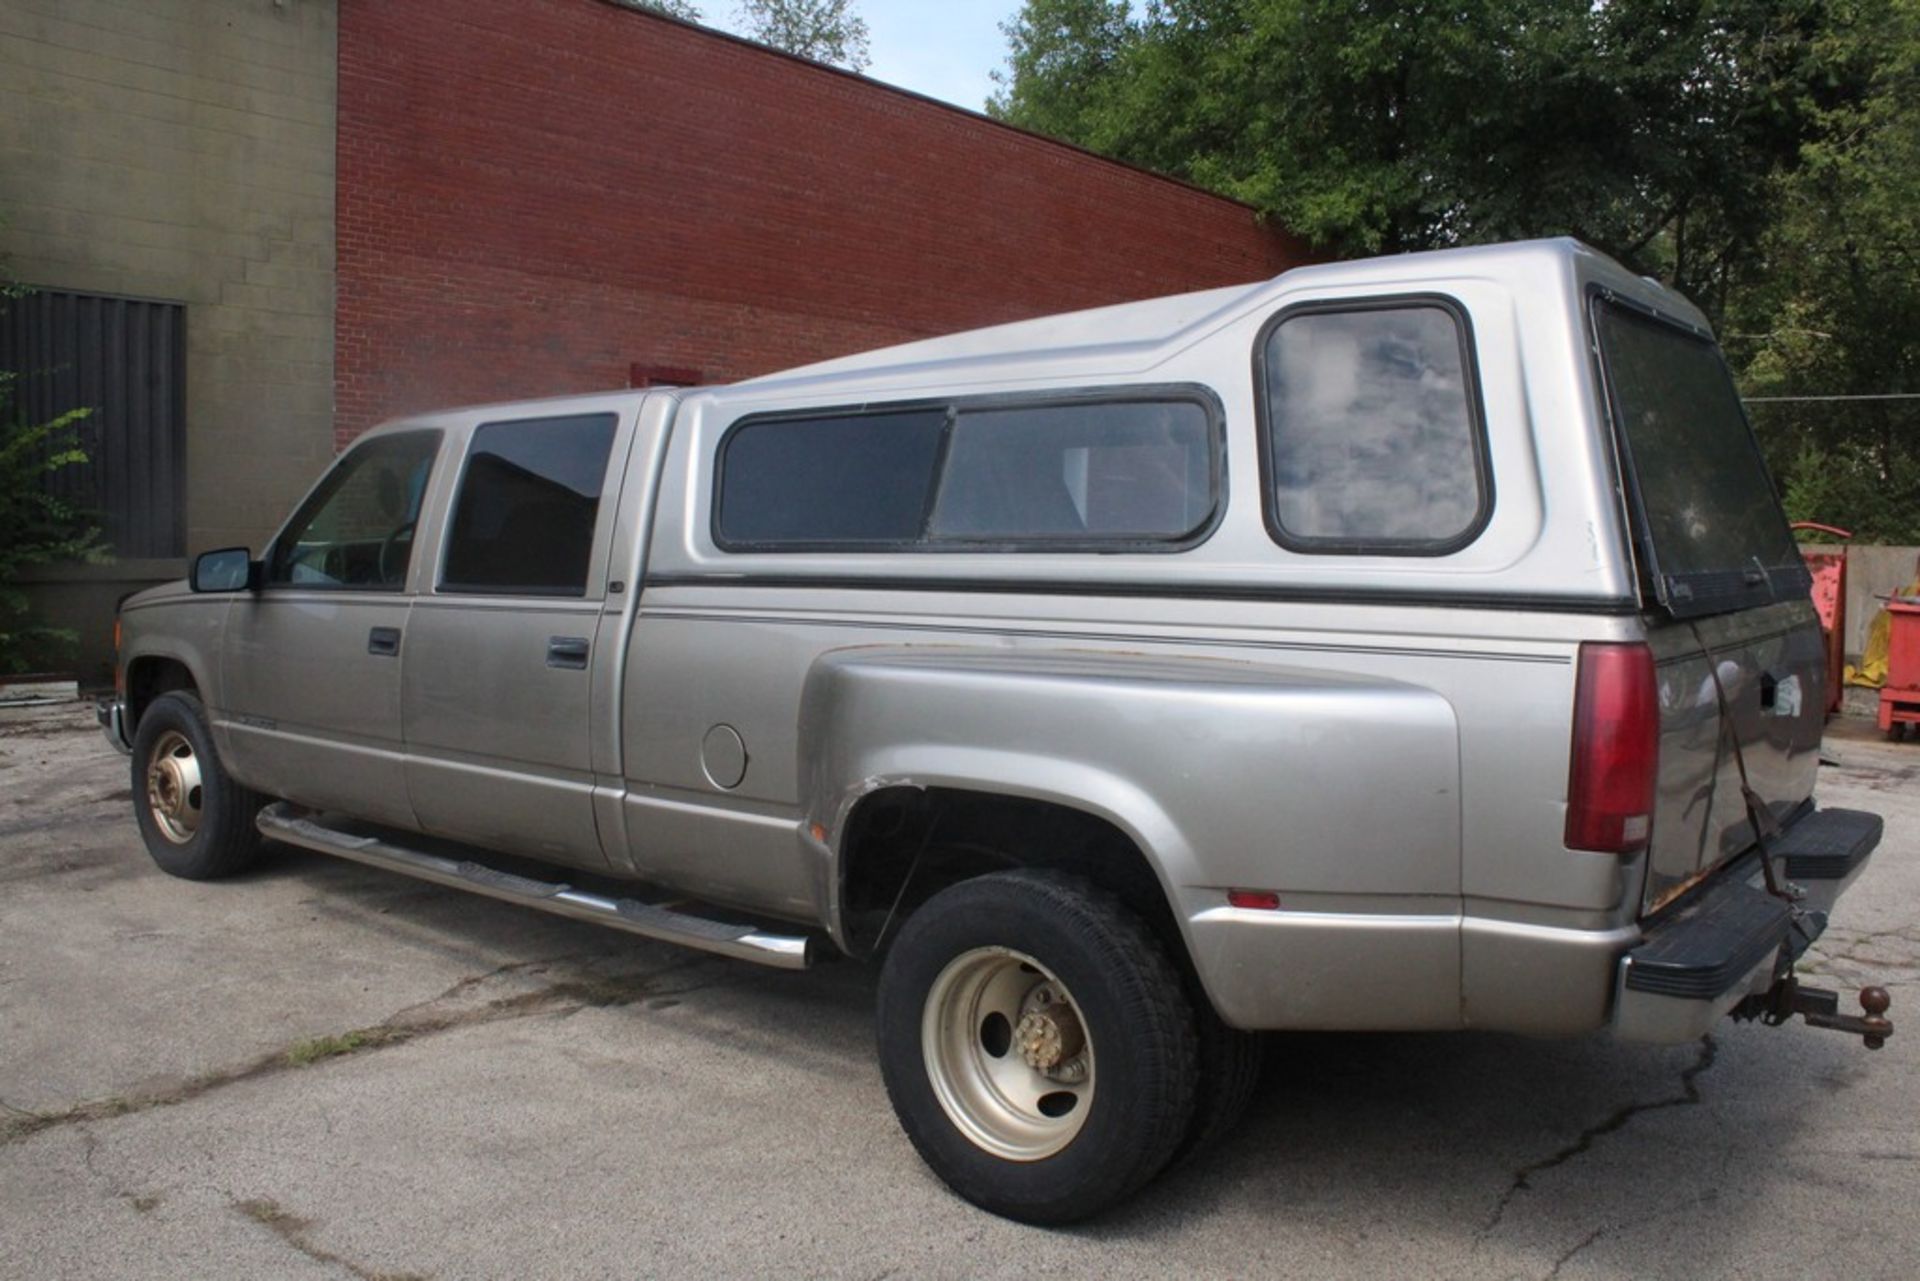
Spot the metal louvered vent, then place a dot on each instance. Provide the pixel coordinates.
(125, 359)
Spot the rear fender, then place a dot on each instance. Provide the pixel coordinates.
(995, 771)
(1336, 789)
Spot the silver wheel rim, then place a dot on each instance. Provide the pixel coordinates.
(1007, 1053)
(174, 787)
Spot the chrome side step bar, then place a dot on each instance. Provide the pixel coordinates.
(285, 822)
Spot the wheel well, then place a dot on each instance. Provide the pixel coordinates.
(148, 679)
(905, 844)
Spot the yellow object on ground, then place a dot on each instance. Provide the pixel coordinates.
(1872, 671)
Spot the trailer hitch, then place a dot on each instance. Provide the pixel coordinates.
(1821, 1008)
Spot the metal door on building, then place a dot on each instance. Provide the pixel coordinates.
(123, 360)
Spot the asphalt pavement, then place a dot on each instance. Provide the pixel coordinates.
(319, 1070)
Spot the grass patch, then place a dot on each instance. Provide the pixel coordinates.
(18, 1125)
(297, 1232)
(262, 1210)
(311, 1051)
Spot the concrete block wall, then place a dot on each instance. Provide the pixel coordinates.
(184, 150)
(536, 197)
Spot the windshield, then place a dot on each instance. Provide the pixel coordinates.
(1711, 531)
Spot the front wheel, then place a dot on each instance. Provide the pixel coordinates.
(1036, 1044)
(197, 821)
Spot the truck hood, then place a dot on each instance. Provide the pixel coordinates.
(157, 595)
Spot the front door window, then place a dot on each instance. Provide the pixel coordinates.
(355, 532)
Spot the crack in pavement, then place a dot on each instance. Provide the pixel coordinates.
(1849, 947)
(90, 1151)
(412, 1023)
(298, 1234)
(1907, 933)
(1688, 1096)
(45, 727)
(59, 823)
(462, 986)
(1568, 1257)
(1860, 967)
(1608, 1229)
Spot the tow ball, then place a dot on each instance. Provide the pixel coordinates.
(1821, 1008)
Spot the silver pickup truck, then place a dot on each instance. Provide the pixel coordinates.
(1412, 643)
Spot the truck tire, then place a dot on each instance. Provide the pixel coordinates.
(1230, 1065)
(1037, 1045)
(196, 820)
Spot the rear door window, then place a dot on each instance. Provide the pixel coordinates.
(1371, 431)
(524, 518)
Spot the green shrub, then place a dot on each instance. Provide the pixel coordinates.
(37, 527)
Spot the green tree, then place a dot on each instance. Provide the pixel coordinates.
(824, 30)
(1835, 308)
(1069, 59)
(672, 8)
(1649, 128)
(1763, 156)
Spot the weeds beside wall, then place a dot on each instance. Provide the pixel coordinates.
(37, 526)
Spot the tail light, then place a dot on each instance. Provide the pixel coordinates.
(1616, 749)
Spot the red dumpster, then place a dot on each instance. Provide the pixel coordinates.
(1900, 696)
(1828, 565)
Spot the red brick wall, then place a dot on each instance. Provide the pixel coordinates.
(537, 195)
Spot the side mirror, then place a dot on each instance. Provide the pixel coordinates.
(231, 569)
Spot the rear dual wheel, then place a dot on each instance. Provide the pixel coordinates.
(1037, 1044)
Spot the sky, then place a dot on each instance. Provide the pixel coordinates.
(942, 48)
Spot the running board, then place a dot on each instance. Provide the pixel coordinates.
(285, 822)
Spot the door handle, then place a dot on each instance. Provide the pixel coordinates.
(567, 651)
(384, 641)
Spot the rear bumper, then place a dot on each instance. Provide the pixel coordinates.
(1825, 854)
(111, 712)
(1667, 980)
(1730, 938)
